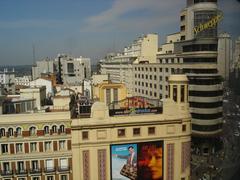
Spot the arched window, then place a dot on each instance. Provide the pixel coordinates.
(54, 129)
(19, 131)
(10, 131)
(62, 129)
(2, 132)
(32, 131)
(46, 130)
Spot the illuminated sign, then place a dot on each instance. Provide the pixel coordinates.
(209, 24)
(135, 105)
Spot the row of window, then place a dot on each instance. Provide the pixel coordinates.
(150, 77)
(35, 165)
(211, 81)
(62, 177)
(135, 132)
(200, 47)
(200, 60)
(35, 169)
(154, 94)
(206, 128)
(142, 84)
(33, 130)
(206, 93)
(205, 105)
(200, 71)
(122, 132)
(33, 147)
(141, 69)
(169, 61)
(146, 92)
(201, 1)
(207, 116)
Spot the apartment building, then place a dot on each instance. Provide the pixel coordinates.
(35, 146)
(72, 71)
(120, 66)
(151, 79)
(23, 81)
(225, 55)
(69, 70)
(44, 66)
(7, 81)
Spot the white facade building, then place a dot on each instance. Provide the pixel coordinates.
(37, 93)
(7, 80)
(43, 82)
(45, 66)
(224, 55)
(72, 71)
(168, 47)
(120, 66)
(236, 57)
(151, 79)
(24, 81)
(99, 78)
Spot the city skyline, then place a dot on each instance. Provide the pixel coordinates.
(90, 29)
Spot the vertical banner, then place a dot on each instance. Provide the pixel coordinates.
(124, 162)
(150, 161)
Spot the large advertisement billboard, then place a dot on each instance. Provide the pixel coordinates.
(137, 161)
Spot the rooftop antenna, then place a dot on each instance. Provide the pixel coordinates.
(33, 51)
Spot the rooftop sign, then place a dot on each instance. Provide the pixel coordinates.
(209, 24)
(135, 105)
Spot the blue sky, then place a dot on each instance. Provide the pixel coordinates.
(89, 28)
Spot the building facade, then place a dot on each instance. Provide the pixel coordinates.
(7, 81)
(108, 92)
(235, 69)
(200, 48)
(151, 79)
(36, 93)
(43, 82)
(43, 139)
(115, 138)
(24, 81)
(225, 55)
(43, 67)
(119, 66)
(72, 71)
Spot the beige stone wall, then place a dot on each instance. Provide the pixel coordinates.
(102, 133)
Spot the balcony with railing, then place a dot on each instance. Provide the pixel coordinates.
(21, 171)
(63, 168)
(35, 171)
(6, 172)
(49, 169)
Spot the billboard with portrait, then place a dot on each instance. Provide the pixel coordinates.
(137, 161)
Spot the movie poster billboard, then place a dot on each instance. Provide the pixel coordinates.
(140, 161)
(124, 161)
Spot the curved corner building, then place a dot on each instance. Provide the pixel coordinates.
(199, 51)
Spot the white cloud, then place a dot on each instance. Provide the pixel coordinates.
(118, 16)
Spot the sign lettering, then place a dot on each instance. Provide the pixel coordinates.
(209, 24)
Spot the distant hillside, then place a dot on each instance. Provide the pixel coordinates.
(26, 70)
(22, 70)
